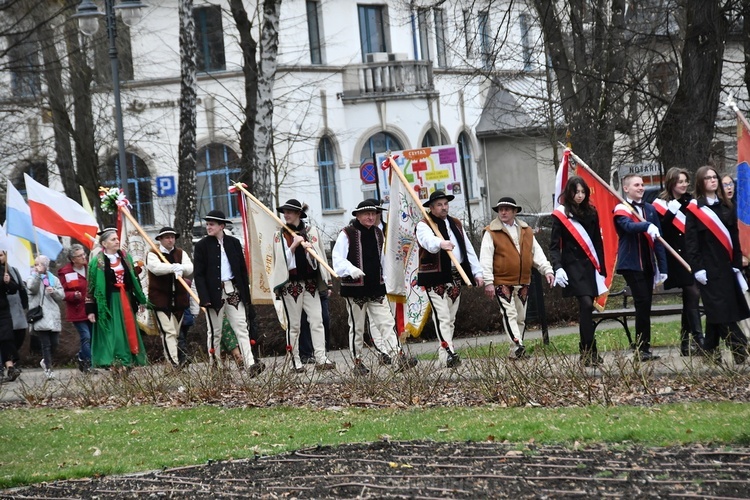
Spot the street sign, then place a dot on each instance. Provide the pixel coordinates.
(368, 173)
(166, 186)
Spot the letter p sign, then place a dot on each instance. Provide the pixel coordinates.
(165, 186)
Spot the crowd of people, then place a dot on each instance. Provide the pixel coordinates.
(102, 296)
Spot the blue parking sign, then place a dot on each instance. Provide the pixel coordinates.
(166, 186)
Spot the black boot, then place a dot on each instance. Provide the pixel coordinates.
(696, 328)
(685, 343)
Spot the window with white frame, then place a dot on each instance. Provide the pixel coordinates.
(216, 166)
(140, 194)
(485, 38)
(209, 38)
(526, 48)
(468, 34)
(467, 162)
(25, 68)
(377, 143)
(372, 29)
(314, 32)
(440, 40)
(329, 196)
(423, 22)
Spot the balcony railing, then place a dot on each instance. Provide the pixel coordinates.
(389, 79)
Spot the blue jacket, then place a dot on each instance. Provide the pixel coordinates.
(629, 256)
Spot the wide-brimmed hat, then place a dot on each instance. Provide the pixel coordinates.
(217, 216)
(506, 201)
(292, 204)
(165, 231)
(436, 195)
(369, 205)
(106, 230)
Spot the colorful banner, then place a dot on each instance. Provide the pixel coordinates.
(742, 191)
(18, 220)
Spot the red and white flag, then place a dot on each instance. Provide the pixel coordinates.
(54, 212)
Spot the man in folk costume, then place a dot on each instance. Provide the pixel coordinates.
(441, 280)
(166, 294)
(508, 252)
(297, 278)
(222, 282)
(641, 259)
(358, 260)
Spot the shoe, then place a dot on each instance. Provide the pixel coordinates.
(405, 362)
(308, 360)
(325, 366)
(453, 360)
(13, 373)
(592, 360)
(50, 374)
(299, 369)
(647, 356)
(44, 367)
(81, 365)
(256, 369)
(360, 368)
(520, 352)
(384, 359)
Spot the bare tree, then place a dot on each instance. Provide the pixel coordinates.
(186, 201)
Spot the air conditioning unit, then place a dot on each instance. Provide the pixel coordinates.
(398, 56)
(373, 57)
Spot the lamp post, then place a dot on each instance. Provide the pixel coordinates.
(88, 15)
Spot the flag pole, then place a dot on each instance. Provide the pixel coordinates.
(661, 240)
(430, 222)
(286, 228)
(730, 103)
(124, 210)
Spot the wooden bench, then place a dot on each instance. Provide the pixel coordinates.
(622, 314)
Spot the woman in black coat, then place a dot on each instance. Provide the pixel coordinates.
(8, 351)
(672, 208)
(716, 265)
(575, 271)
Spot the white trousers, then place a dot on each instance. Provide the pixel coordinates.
(512, 300)
(169, 327)
(444, 300)
(237, 319)
(382, 325)
(299, 296)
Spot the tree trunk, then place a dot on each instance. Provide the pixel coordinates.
(81, 76)
(248, 46)
(56, 99)
(687, 130)
(186, 199)
(269, 45)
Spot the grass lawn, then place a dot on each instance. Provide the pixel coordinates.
(45, 444)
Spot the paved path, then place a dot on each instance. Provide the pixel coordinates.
(670, 361)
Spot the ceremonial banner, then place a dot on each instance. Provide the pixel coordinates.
(262, 228)
(402, 259)
(742, 191)
(58, 214)
(131, 242)
(19, 223)
(605, 202)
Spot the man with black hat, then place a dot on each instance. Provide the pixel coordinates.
(168, 296)
(358, 260)
(436, 274)
(222, 281)
(508, 252)
(296, 279)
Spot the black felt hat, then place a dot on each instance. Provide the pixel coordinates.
(217, 216)
(506, 201)
(437, 195)
(292, 204)
(369, 205)
(165, 231)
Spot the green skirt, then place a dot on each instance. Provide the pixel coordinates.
(109, 342)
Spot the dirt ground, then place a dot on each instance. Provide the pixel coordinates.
(436, 470)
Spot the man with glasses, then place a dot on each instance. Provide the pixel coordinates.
(73, 278)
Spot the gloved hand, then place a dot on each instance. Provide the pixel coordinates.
(701, 277)
(673, 206)
(177, 268)
(356, 273)
(653, 231)
(736, 271)
(662, 278)
(561, 278)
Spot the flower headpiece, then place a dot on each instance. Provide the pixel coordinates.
(111, 199)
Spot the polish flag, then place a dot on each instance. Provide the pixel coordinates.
(58, 214)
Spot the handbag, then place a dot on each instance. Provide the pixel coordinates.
(35, 313)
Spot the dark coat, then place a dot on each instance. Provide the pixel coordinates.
(6, 321)
(566, 253)
(630, 235)
(207, 264)
(722, 297)
(678, 275)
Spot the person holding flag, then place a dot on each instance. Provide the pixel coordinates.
(671, 206)
(713, 251)
(641, 260)
(577, 255)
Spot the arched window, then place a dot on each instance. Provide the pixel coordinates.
(329, 197)
(378, 143)
(467, 162)
(139, 185)
(430, 139)
(216, 166)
